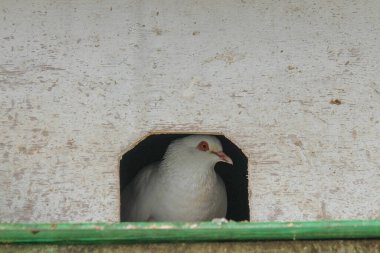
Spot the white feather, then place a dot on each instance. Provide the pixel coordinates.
(183, 187)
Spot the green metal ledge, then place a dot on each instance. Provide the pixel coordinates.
(91, 233)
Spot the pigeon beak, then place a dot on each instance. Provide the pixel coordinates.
(223, 157)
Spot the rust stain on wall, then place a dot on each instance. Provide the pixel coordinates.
(335, 101)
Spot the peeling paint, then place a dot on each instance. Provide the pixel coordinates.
(228, 56)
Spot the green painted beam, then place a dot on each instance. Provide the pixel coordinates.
(130, 232)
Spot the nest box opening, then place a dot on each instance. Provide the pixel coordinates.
(153, 147)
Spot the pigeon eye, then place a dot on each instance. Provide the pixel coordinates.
(203, 146)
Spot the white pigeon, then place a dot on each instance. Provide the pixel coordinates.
(182, 187)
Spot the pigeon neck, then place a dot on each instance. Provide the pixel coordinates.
(189, 165)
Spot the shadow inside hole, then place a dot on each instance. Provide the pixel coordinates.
(152, 149)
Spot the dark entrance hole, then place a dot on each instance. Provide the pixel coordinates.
(152, 149)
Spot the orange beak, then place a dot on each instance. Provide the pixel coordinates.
(225, 158)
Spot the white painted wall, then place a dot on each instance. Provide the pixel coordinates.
(82, 80)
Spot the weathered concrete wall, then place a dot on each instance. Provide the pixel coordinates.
(295, 84)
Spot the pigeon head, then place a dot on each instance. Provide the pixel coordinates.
(201, 146)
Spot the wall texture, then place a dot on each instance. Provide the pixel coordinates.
(295, 84)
